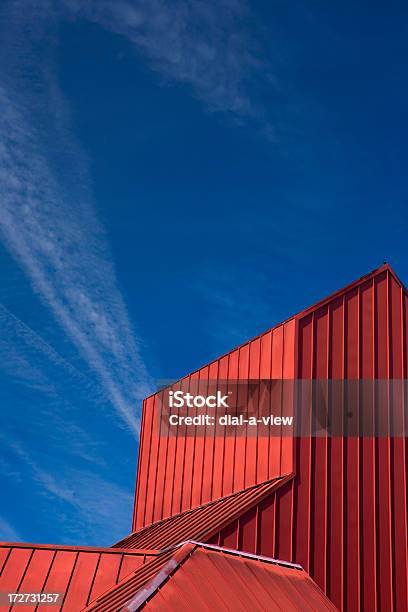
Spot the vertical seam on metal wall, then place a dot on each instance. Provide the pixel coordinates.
(326, 444)
(360, 455)
(359, 446)
(205, 440)
(138, 465)
(376, 481)
(224, 434)
(296, 376)
(259, 401)
(390, 372)
(281, 397)
(159, 440)
(211, 487)
(148, 462)
(404, 443)
(183, 462)
(274, 551)
(374, 314)
(166, 484)
(163, 487)
(250, 344)
(257, 530)
(193, 475)
(309, 488)
(344, 483)
(295, 449)
(235, 435)
(328, 584)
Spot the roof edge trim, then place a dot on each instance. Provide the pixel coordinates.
(96, 549)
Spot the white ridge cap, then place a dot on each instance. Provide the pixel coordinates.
(239, 553)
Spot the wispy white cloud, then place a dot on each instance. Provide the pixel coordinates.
(204, 44)
(27, 358)
(90, 507)
(104, 508)
(7, 531)
(49, 222)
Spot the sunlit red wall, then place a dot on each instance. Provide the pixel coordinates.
(179, 472)
(344, 515)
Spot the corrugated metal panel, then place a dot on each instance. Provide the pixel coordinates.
(179, 472)
(116, 597)
(344, 515)
(197, 577)
(199, 523)
(176, 473)
(81, 574)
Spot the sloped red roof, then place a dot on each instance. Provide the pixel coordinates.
(79, 573)
(197, 576)
(200, 523)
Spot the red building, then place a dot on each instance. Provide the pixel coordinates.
(335, 505)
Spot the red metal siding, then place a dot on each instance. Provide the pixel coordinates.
(179, 472)
(115, 597)
(344, 515)
(199, 523)
(236, 583)
(81, 574)
(194, 576)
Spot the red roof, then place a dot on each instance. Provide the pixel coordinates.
(79, 573)
(201, 577)
(200, 523)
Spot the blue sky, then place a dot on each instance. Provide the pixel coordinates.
(176, 177)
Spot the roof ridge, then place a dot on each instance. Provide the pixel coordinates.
(183, 551)
(239, 553)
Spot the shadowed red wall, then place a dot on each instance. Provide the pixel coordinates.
(344, 515)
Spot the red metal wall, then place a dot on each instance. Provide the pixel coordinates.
(180, 472)
(344, 515)
(81, 574)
